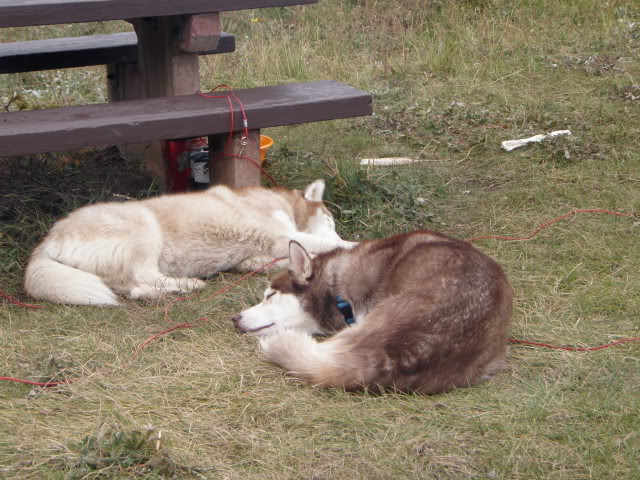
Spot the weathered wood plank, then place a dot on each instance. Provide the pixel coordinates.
(176, 117)
(16, 13)
(115, 48)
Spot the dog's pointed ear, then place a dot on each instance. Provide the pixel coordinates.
(300, 266)
(314, 191)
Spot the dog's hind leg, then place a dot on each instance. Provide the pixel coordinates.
(149, 282)
(152, 284)
(164, 285)
(144, 278)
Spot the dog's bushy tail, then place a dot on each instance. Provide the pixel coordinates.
(49, 280)
(325, 363)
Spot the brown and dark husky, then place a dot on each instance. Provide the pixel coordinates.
(417, 312)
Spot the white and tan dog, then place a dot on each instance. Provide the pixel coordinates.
(168, 244)
(417, 312)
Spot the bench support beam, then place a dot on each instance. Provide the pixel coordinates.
(200, 33)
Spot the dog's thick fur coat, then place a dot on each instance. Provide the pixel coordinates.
(170, 243)
(431, 314)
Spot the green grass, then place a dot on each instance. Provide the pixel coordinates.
(450, 80)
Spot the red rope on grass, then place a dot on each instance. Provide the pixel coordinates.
(39, 384)
(142, 346)
(536, 230)
(531, 235)
(574, 349)
(17, 302)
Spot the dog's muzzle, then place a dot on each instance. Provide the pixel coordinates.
(236, 319)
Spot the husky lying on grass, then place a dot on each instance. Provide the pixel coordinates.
(418, 312)
(167, 244)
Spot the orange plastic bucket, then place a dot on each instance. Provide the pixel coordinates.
(265, 144)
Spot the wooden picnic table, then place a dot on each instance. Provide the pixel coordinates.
(171, 34)
(20, 13)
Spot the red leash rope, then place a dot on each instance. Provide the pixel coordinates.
(536, 230)
(245, 126)
(17, 302)
(256, 164)
(574, 349)
(230, 94)
(533, 233)
(39, 384)
(142, 346)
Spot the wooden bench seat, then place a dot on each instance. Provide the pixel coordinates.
(20, 13)
(115, 48)
(67, 128)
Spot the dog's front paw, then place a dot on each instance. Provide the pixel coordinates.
(198, 284)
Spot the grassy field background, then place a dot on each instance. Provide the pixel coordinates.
(450, 80)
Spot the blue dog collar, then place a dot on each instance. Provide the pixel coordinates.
(345, 309)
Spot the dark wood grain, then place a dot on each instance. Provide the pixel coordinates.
(68, 128)
(16, 13)
(55, 53)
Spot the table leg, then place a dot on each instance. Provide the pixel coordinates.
(123, 82)
(166, 69)
(232, 163)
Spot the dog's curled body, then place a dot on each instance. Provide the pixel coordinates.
(431, 315)
(169, 243)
